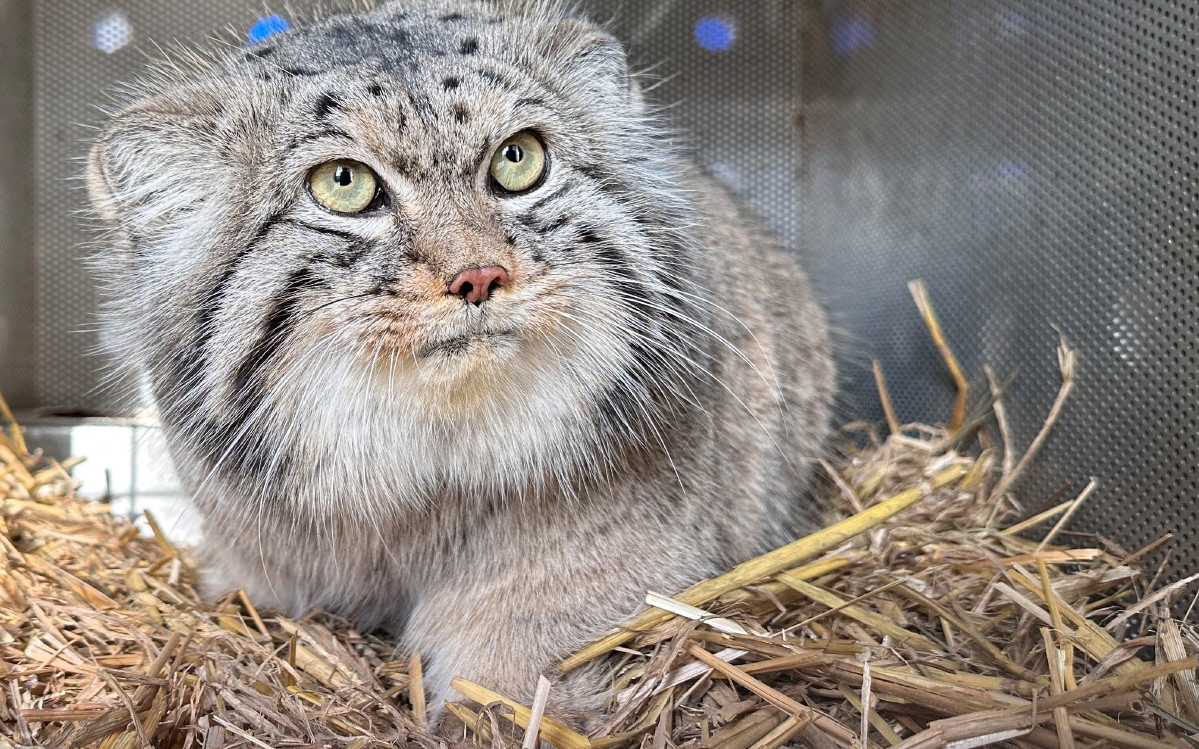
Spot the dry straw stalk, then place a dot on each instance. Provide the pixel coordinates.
(919, 617)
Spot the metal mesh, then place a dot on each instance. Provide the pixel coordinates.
(17, 306)
(1033, 161)
(1036, 163)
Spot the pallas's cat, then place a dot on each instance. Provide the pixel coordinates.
(446, 335)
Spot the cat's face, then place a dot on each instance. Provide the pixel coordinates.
(430, 221)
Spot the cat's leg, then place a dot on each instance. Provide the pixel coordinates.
(504, 638)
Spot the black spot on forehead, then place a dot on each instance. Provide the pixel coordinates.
(470, 45)
(327, 102)
(450, 83)
(496, 78)
(453, 17)
(298, 71)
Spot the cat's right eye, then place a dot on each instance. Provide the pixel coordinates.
(343, 186)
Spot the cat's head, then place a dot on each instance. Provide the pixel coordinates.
(444, 227)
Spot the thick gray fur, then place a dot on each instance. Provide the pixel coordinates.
(638, 409)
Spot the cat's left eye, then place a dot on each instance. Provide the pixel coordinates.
(519, 163)
(343, 186)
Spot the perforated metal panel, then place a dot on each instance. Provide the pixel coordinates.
(1033, 161)
(17, 303)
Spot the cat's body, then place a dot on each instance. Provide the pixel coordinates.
(631, 403)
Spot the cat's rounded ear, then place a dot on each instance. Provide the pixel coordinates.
(144, 153)
(583, 46)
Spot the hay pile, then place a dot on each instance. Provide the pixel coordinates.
(922, 618)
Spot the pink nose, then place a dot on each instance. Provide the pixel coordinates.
(476, 284)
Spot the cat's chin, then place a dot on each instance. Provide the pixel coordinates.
(403, 436)
(455, 371)
(475, 365)
(493, 414)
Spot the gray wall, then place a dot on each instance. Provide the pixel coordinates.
(17, 289)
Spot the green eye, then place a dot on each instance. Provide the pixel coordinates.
(519, 162)
(343, 186)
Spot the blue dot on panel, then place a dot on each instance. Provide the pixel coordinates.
(267, 26)
(715, 33)
(851, 34)
(1010, 169)
(112, 31)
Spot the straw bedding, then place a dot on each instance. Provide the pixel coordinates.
(920, 617)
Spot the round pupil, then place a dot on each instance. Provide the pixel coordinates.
(343, 176)
(513, 153)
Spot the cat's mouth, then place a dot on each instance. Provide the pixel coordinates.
(461, 345)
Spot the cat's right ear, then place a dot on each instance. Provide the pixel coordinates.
(136, 166)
